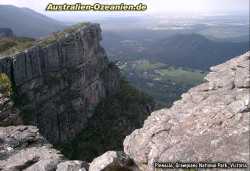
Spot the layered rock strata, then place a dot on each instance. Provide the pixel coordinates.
(58, 85)
(209, 123)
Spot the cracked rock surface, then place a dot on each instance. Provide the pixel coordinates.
(9, 114)
(112, 161)
(209, 123)
(58, 85)
(23, 148)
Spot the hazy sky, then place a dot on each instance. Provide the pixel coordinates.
(154, 6)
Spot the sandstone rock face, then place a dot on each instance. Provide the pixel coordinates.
(209, 123)
(74, 165)
(9, 114)
(112, 161)
(23, 148)
(59, 85)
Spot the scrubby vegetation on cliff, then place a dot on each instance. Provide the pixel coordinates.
(13, 45)
(115, 117)
(5, 85)
(60, 34)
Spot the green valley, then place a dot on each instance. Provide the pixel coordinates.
(163, 82)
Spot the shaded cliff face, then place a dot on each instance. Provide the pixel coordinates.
(58, 86)
(209, 123)
(115, 117)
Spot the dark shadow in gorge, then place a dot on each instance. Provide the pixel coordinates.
(114, 118)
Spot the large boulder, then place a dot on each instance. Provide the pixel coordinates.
(74, 165)
(22, 147)
(112, 161)
(209, 123)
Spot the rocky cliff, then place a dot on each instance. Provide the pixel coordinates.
(58, 85)
(209, 123)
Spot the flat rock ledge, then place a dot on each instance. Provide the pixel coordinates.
(23, 148)
(209, 123)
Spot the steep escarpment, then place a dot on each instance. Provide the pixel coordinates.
(58, 84)
(209, 123)
(114, 118)
(24, 148)
(67, 84)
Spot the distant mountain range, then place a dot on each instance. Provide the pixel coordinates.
(169, 47)
(195, 51)
(184, 50)
(27, 22)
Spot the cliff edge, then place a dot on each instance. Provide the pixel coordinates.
(60, 84)
(209, 123)
(58, 81)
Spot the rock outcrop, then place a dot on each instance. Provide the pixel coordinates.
(23, 148)
(209, 123)
(112, 160)
(9, 114)
(58, 85)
